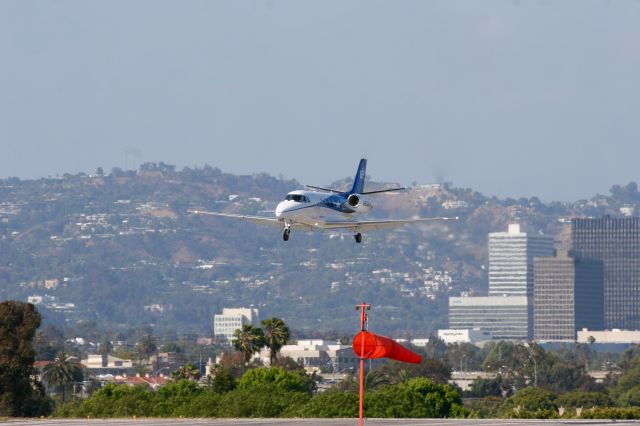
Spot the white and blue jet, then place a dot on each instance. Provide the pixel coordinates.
(325, 208)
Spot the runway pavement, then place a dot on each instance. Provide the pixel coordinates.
(307, 422)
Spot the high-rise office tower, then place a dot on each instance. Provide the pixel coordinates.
(567, 296)
(615, 241)
(511, 256)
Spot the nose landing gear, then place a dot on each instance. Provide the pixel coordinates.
(358, 237)
(286, 232)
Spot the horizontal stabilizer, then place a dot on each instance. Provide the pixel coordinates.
(383, 190)
(334, 191)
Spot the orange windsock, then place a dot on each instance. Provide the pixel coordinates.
(370, 345)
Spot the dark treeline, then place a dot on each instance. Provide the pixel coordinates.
(521, 381)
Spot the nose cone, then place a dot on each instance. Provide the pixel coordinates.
(280, 209)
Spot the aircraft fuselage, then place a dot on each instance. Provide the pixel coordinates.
(313, 208)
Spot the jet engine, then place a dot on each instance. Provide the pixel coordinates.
(358, 203)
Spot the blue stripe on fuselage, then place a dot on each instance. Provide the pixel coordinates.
(337, 203)
(334, 202)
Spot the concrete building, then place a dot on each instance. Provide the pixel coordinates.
(511, 256)
(613, 341)
(615, 336)
(232, 319)
(467, 335)
(568, 296)
(504, 317)
(616, 242)
(101, 365)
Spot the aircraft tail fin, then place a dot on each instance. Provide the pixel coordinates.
(358, 182)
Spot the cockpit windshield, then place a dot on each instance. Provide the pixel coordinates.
(297, 198)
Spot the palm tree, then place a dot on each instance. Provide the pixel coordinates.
(187, 371)
(248, 340)
(276, 334)
(61, 372)
(375, 379)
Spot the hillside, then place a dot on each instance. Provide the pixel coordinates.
(119, 249)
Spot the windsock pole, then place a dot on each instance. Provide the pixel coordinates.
(363, 307)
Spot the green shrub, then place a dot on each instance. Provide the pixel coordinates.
(261, 401)
(276, 376)
(612, 413)
(416, 398)
(332, 403)
(530, 403)
(114, 401)
(176, 398)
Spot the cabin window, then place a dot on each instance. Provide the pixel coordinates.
(297, 198)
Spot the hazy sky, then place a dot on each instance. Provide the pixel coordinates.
(512, 98)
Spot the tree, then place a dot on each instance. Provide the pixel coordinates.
(105, 347)
(530, 403)
(276, 335)
(429, 367)
(266, 400)
(221, 381)
(436, 348)
(481, 388)
(186, 372)
(20, 394)
(248, 341)
(146, 346)
(583, 399)
(275, 376)
(374, 379)
(463, 356)
(233, 362)
(48, 342)
(419, 397)
(332, 403)
(61, 373)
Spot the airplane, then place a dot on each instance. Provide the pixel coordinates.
(310, 210)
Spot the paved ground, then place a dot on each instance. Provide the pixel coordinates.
(307, 422)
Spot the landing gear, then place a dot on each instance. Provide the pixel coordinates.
(358, 237)
(285, 233)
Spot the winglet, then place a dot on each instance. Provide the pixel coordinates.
(358, 182)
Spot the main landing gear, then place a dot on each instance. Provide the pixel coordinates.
(286, 232)
(358, 237)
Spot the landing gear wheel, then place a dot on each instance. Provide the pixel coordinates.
(358, 237)
(285, 234)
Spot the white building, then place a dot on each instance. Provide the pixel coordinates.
(466, 335)
(511, 256)
(232, 319)
(504, 317)
(615, 336)
(107, 364)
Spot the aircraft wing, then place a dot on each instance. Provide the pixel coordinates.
(366, 225)
(260, 220)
